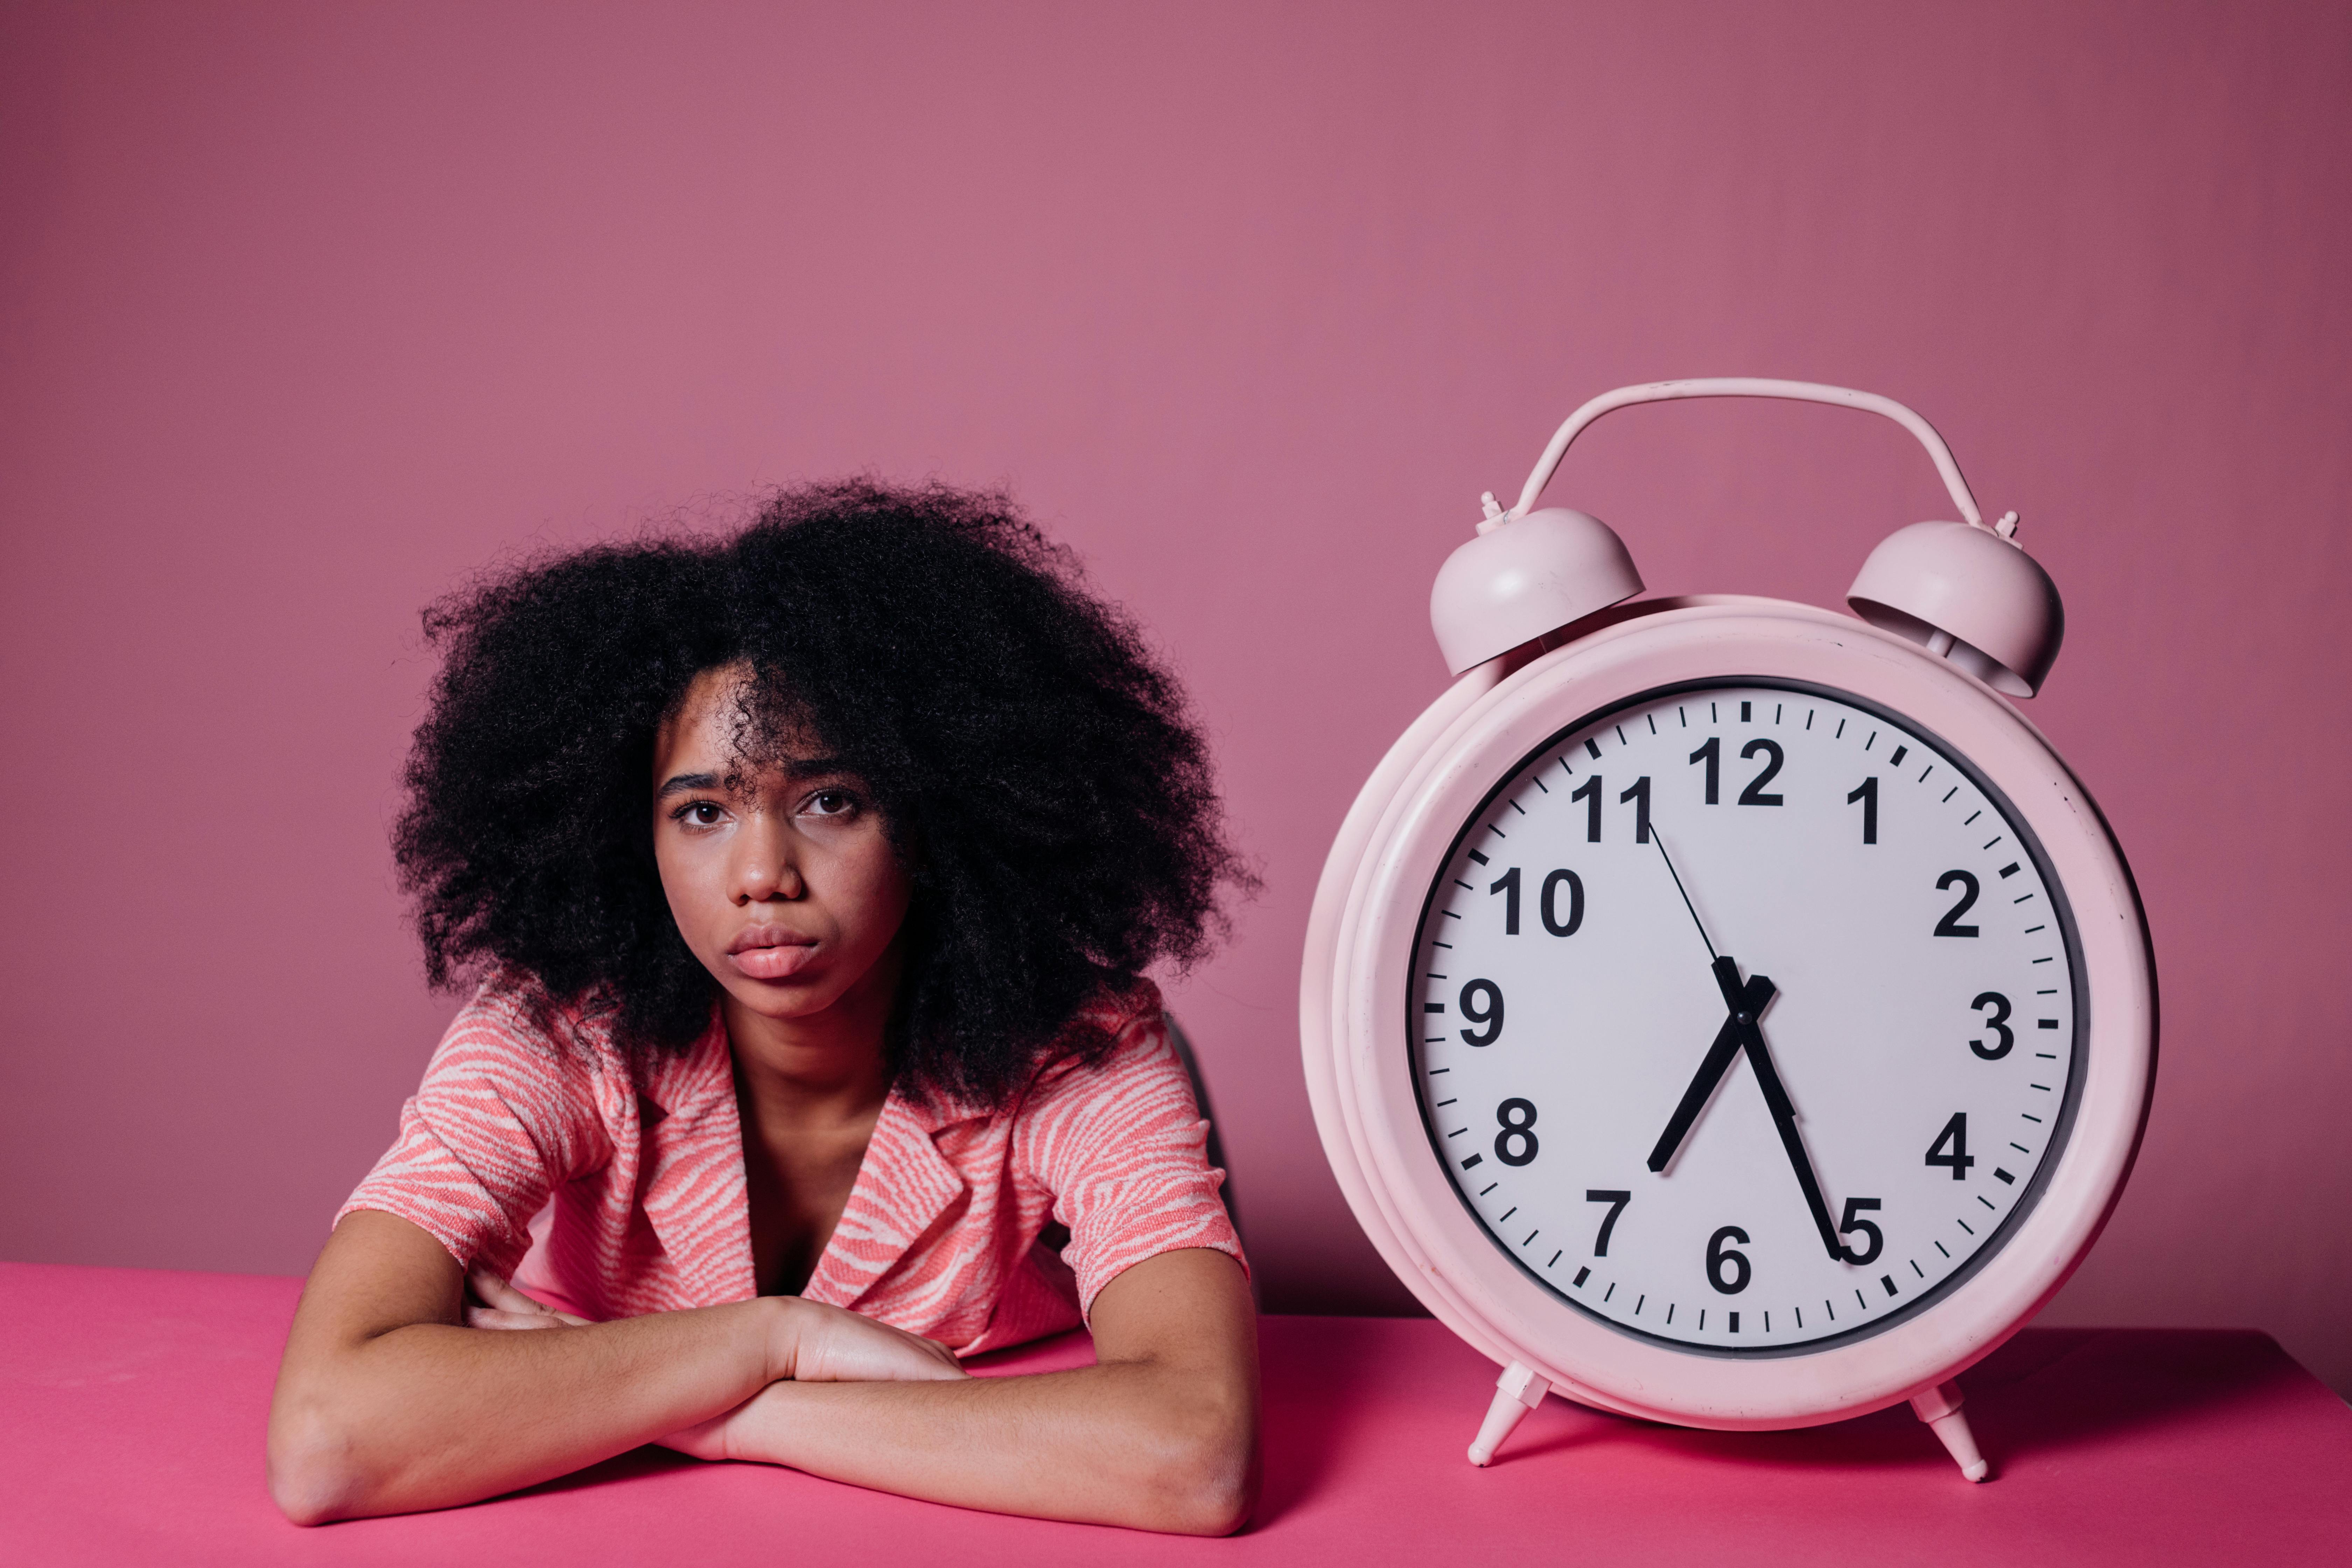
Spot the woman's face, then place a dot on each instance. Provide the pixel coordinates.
(784, 886)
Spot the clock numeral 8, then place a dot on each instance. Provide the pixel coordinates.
(1516, 1143)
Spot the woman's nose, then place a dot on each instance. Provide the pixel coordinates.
(764, 866)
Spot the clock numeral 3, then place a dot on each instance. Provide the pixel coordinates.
(1949, 925)
(1516, 1144)
(1853, 1221)
(1488, 1013)
(1951, 1148)
(1727, 1269)
(1998, 1023)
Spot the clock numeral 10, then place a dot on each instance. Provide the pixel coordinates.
(1951, 1148)
(1547, 901)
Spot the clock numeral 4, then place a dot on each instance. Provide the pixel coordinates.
(1998, 1023)
(1951, 1148)
(1516, 1144)
(1852, 1221)
(1548, 903)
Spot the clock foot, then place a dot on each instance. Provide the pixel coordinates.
(1517, 1392)
(1939, 1408)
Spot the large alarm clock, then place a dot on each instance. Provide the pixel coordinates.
(1724, 1011)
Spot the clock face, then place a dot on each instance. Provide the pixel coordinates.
(1748, 1017)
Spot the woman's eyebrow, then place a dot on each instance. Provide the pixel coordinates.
(686, 783)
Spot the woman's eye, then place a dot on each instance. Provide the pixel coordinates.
(700, 813)
(830, 803)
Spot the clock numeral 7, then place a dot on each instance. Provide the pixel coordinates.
(1616, 1198)
(1636, 795)
(1547, 901)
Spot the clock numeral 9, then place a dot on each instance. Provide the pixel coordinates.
(1950, 924)
(1516, 1144)
(1727, 1269)
(1998, 1023)
(1487, 1012)
(1852, 1221)
(1951, 1148)
(1547, 901)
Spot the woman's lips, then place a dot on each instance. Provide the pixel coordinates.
(766, 953)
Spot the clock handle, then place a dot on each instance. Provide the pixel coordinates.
(1753, 386)
(1517, 1392)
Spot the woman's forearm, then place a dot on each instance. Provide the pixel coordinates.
(431, 1414)
(1147, 1445)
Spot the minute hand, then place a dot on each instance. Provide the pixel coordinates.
(1784, 1118)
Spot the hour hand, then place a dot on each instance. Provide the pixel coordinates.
(1746, 1003)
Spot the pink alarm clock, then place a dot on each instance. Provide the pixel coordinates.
(1724, 1011)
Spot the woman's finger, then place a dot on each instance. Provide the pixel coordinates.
(499, 1318)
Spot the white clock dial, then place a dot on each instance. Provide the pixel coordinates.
(1623, 1119)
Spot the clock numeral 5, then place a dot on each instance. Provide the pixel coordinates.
(1998, 1023)
(1951, 1148)
(1488, 1013)
(1853, 1221)
(1546, 902)
(1516, 1144)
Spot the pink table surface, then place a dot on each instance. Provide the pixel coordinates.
(132, 1409)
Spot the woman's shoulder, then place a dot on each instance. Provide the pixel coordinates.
(510, 1027)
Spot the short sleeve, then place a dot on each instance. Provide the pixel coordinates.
(503, 1116)
(1122, 1148)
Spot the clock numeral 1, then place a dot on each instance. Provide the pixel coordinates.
(1951, 1148)
(1516, 1144)
(1867, 792)
(1507, 884)
(1852, 1221)
(1616, 1198)
(1488, 1013)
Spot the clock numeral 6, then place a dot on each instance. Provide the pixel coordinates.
(1951, 1148)
(1998, 1023)
(1516, 1143)
(1727, 1269)
(1853, 1221)
(1488, 1013)
(1546, 902)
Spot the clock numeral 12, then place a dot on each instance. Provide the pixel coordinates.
(1711, 753)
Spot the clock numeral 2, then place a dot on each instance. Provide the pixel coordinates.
(1949, 925)
(1547, 903)
(1516, 1144)
(1616, 1198)
(1488, 1013)
(1951, 1148)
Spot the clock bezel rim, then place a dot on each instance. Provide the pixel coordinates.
(1349, 975)
(2062, 1126)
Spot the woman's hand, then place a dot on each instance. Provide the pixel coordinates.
(826, 1344)
(492, 1303)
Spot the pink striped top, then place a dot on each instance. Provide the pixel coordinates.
(641, 1178)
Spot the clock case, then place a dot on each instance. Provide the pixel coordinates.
(1402, 826)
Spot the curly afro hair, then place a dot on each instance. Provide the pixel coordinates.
(1039, 777)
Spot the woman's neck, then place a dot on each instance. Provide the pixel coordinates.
(822, 1068)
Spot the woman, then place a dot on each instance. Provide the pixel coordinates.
(811, 876)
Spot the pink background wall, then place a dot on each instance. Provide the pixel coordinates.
(311, 312)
